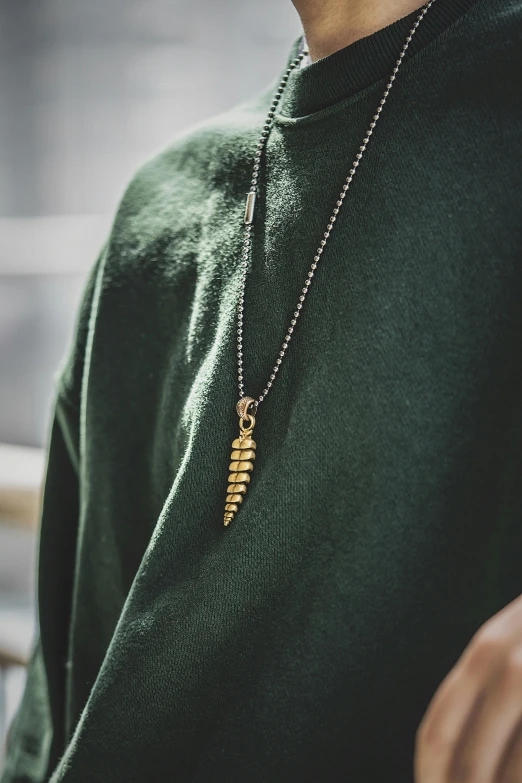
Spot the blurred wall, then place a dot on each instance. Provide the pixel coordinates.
(88, 90)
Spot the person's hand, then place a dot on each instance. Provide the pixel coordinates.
(472, 730)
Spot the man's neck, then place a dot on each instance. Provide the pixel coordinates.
(330, 25)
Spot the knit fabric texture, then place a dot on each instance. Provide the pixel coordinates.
(383, 522)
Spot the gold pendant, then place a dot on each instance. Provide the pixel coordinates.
(243, 456)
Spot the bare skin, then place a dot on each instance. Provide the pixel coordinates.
(472, 730)
(330, 25)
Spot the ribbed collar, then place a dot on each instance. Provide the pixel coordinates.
(364, 62)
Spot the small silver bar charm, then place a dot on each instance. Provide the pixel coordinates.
(249, 210)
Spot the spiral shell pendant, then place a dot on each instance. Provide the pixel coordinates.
(243, 456)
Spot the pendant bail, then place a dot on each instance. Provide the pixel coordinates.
(243, 405)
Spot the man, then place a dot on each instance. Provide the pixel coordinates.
(380, 530)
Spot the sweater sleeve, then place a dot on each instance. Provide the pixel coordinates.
(37, 737)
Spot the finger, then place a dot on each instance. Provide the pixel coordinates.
(443, 725)
(509, 617)
(482, 747)
(511, 767)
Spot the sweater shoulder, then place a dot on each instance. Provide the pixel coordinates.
(497, 30)
(203, 165)
(508, 15)
(167, 205)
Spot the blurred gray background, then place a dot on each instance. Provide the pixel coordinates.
(88, 90)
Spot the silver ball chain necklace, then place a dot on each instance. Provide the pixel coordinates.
(244, 446)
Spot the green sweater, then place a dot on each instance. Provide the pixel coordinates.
(383, 523)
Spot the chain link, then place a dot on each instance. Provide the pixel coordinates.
(247, 243)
